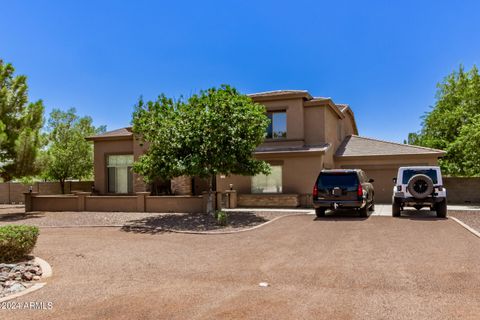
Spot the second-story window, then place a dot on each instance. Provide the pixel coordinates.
(278, 125)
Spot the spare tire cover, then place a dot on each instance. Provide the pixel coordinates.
(420, 186)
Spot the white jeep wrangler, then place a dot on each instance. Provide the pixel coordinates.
(419, 187)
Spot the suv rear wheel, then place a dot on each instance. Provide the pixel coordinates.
(320, 212)
(396, 209)
(441, 208)
(364, 211)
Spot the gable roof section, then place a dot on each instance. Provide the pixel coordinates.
(342, 106)
(119, 134)
(346, 110)
(356, 146)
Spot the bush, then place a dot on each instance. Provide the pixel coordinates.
(16, 241)
(221, 217)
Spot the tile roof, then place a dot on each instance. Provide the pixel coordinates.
(122, 132)
(342, 106)
(281, 93)
(356, 146)
(305, 148)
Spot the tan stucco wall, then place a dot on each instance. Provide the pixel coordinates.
(332, 121)
(13, 191)
(189, 204)
(314, 125)
(55, 203)
(298, 175)
(101, 150)
(462, 190)
(383, 170)
(137, 203)
(348, 125)
(111, 203)
(294, 108)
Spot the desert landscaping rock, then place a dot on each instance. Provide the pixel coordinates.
(140, 221)
(18, 276)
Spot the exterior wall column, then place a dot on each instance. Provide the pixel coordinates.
(141, 201)
(81, 199)
(231, 199)
(29, 200)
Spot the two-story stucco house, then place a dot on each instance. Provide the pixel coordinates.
(306, 135)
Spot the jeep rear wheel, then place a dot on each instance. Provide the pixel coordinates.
(320, 212)
(441, 209)
(396, 209)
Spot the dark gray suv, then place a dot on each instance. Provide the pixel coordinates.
(343, 188)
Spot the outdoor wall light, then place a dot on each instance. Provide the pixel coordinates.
(231, 186)
(30, 189)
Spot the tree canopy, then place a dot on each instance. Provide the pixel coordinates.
(454, 123)
(20, 124)
(213, 132)
(68, 154)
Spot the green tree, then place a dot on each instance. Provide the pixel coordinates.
(213, 132)
(453, 123)
(20, 124)
(68, 155)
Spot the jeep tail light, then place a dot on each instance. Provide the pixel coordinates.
(360, 191)
(315, 191)
(399, 188)
(440, 189)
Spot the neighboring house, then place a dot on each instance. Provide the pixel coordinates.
(307, 134)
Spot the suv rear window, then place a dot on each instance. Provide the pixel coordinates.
(407, 174)
(342, 180)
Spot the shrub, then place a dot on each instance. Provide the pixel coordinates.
(221, 217)
(16, 241)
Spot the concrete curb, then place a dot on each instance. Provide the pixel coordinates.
(46, 273)
(475, 232)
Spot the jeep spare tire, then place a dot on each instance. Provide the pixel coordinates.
(420, 186)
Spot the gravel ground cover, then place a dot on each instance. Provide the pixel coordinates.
(137, 221)
(199, 222)
(469, 217)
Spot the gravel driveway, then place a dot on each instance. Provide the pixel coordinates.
(331, 268)
(469, 217)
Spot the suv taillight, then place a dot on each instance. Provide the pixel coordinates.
(399, 188)
(315, 191)
(360, 191)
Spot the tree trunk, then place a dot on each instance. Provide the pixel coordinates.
(62, 186)
(210, 201)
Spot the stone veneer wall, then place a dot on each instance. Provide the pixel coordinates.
(268, 200)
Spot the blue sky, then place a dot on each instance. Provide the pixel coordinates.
(383, 58)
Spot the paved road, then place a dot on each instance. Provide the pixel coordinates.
(332, 268)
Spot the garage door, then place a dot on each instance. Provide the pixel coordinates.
(383, 183)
